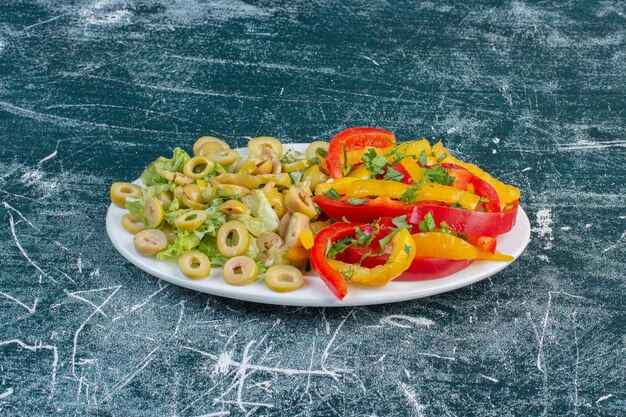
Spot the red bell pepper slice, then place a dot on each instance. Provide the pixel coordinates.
(374, 209)
(466, 221)
(463, 221)
(333, 279)
(406, 177)
(488, 243)
(354, 139)
(481, 188)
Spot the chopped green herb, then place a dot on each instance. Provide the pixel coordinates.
(348, 273)
(332, 193)
(484, 200)
(346, 168)
(400, 223)
(441, 157)
(395, 152)
(361, 238)
(329, 246)
(393, 175)
(344, 219)
(338, 247)
(410, 195)
(422, 159)
(366, 255)
(374, 162)
(444, 228)
(321, 152)
(408, 249)
(428, 224)
(357, 201)
(437, 174)
(455, 205)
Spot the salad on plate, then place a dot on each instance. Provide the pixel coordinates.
(362, 209)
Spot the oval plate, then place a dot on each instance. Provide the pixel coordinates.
(315, 293)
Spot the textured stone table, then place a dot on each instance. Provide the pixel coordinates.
(92, 91)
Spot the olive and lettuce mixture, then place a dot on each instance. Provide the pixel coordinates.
(217, 208)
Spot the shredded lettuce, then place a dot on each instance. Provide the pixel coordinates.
(151, 175)
(184, 243)
(262, 217)
(136, 204)
(208, 246)
(215, 218)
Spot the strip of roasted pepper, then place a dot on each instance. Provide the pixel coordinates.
(442, 245)
(333, 279)
(427, 192)
(402, 254)
(506, 193)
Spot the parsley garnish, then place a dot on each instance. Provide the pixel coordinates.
(428, 224)
(438, 175)
(400, 223)
(444, 228)
(361, 238)
(441, 157)
(321, 152)
(484, 200)
(455, 205)
(398, 156)
(374, 162)
(408, 249)
(346, 168)
(348, 273)
(410, 195)
(422, 159)
(339, 246)
(332, 193)
(357, 201)
(393, 175)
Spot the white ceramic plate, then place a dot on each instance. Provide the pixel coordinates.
(315, 292)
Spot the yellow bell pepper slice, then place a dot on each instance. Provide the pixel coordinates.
(340, 185)
(415, 148)
(428, 192)
(413, 169)
(307, 238)
(506, 193)
(361, 172)
(441, 245)
(297, 254)
(402, 254)
(356, 156)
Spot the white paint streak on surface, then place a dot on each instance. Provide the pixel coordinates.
(544, 226)
(35, 347)
(6, 393)
(412, 398)
(604, 398)
(406, 322)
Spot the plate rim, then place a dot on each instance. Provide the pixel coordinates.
(447, 284)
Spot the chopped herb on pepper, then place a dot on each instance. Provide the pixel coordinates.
(438, 175)
(428, 224)
(422, 159)
(374, 162)
(393, 175)
(332, 193)
(410, 195)
(357, 201)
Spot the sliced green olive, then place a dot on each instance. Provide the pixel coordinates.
(233, 207)
(190, 220)
(197, 167)
(233, 239)
(217, 145)
(120, 191)
(154, 212)
(194, 264)
(150, 242)
(225, 157)
(240, 270)
(256, 145)
(298, 200)
(283, 278)
(132, 223)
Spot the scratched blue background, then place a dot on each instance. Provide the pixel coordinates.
(92, 91)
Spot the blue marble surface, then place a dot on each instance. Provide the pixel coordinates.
(92, 91)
